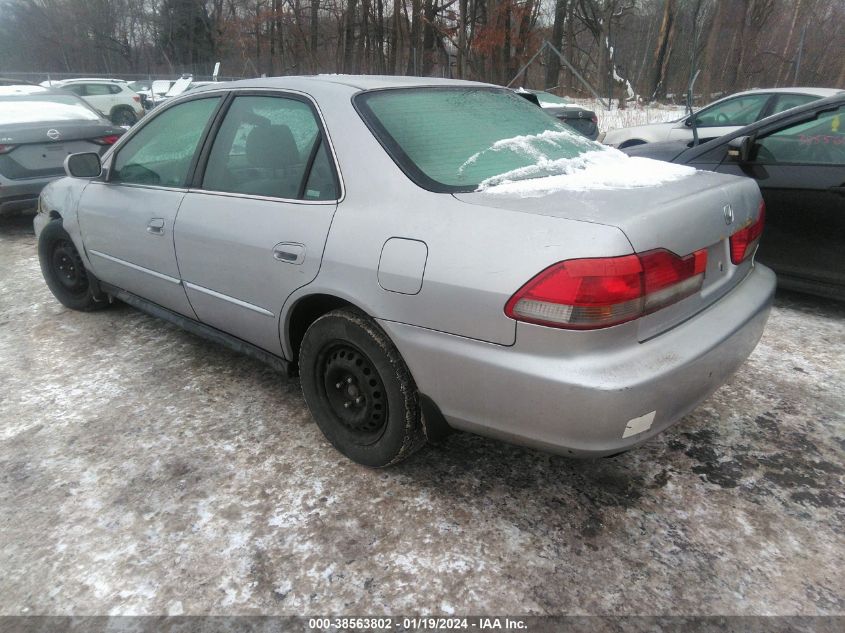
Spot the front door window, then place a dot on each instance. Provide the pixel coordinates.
(161, 152)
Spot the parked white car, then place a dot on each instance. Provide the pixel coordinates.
(720, 117)
(111, 97)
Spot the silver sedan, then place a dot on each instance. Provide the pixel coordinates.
(426, 254)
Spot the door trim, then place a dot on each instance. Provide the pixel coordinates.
(123, 262)
(232, 300)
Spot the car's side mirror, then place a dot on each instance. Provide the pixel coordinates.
(740, 148)
(688, 121)
(85, 165)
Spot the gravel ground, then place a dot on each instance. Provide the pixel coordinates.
(145, 471)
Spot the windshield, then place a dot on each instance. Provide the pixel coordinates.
(455, 139)
(46, 107)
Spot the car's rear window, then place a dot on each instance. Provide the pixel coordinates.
(454, 139)
(35, 109)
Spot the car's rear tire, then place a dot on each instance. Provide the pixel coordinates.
(64, 270)
(359, 389)
(123, 116)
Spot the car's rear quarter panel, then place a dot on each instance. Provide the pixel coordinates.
(477, 256)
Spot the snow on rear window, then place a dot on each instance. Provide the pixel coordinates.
(605, 169)
(457, 138)
(32, 109)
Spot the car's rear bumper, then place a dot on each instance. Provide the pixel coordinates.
(21, 195)
(582, 399)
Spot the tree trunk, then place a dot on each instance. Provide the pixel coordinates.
(349, 38)
(429, 37)
(663, 51)
(395, 37)
(315, 30)
(414, 39)
(462, 39)
(785, 68)
(553, 67)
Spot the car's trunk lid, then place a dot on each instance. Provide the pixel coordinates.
(40, 150)
(682, 216)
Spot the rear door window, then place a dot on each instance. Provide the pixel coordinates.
(97, 90)
(162, 151)
(735, 112)
(266, 146)
(789, 101)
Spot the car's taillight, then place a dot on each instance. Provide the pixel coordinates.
(594, 119)
(585, 294)
(5, 149)
(136, 98)
(744, 241)
(111, 139)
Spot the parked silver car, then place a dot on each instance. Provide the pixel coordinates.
(720, 117)
(426, 254)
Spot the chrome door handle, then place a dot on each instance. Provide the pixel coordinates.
(289, 252)
(156, 226)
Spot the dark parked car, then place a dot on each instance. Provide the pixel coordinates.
(583, 121)
(38, 130)
(798, 160)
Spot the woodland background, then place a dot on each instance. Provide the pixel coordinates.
(621, 47)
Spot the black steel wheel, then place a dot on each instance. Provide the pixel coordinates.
(354, 391)
(64, 271)
(67, 267)
(359, 389)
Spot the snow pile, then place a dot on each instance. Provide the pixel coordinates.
(598, 169)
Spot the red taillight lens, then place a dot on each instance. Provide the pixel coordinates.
(106, 140)
(669, 278)
(595, 119)
(136, 98)
(5, 149)
(744, 241)
(585, 294)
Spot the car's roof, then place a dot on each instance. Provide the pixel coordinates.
(819, 92)
(356, 82)
(87, 80)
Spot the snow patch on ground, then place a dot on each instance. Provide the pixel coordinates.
(598, 169)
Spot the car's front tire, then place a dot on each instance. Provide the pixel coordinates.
(359, 389)
(64, 270)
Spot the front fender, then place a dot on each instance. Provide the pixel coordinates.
(60, 198)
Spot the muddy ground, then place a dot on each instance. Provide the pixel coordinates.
(145, 471)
